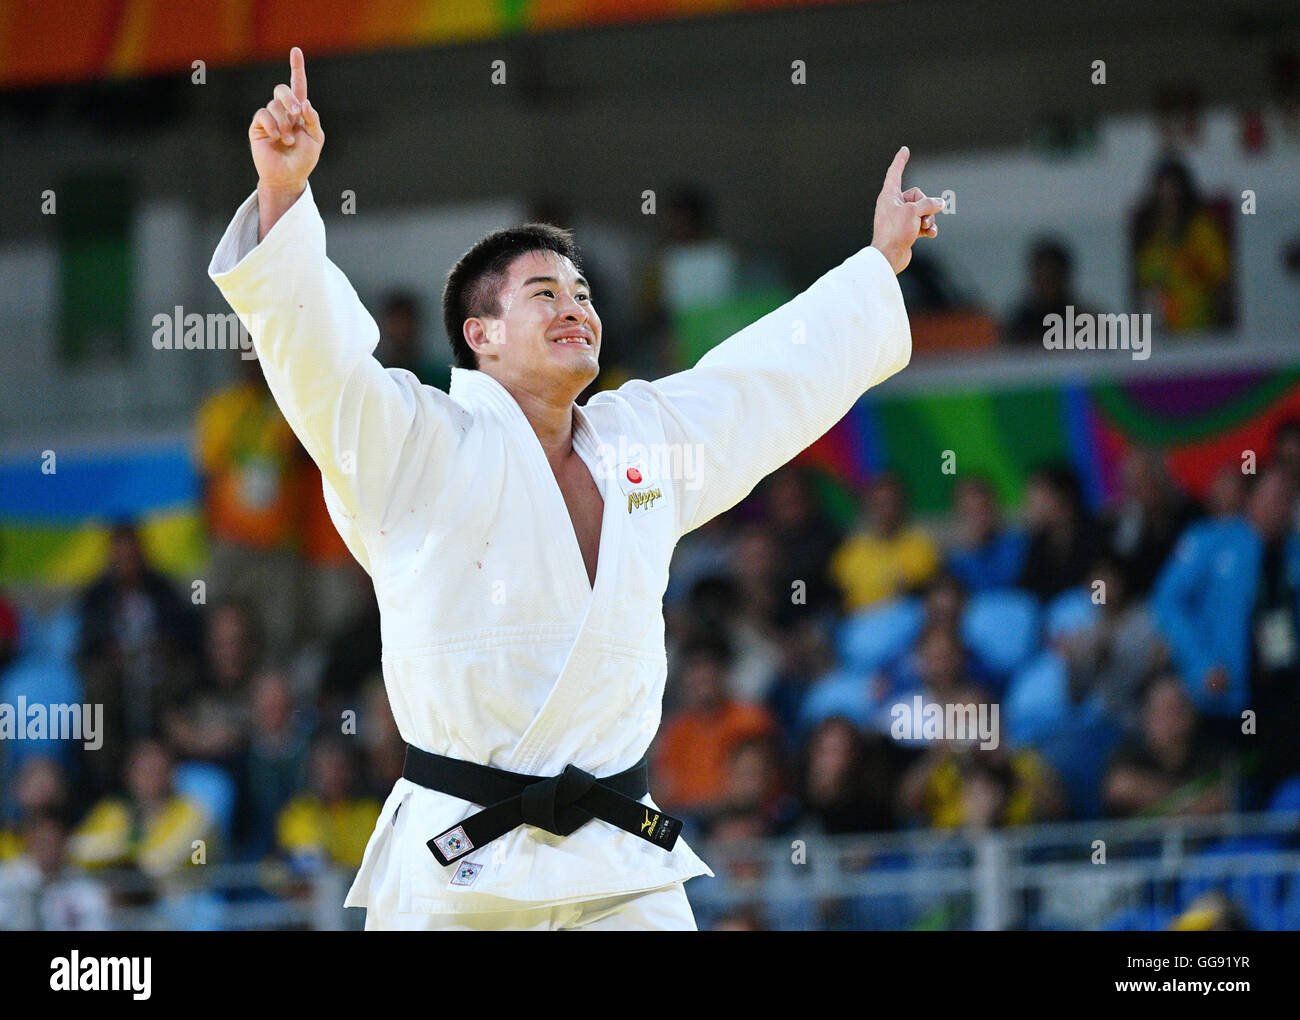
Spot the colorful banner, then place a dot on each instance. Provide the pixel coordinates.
(55, 513)
(53, 526)
(1201, 422)
(47, 41)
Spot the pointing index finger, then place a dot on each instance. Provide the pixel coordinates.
(297, 74)
(894, 175)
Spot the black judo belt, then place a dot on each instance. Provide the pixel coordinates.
(559, 804)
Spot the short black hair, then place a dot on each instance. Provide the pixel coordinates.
(474, 284)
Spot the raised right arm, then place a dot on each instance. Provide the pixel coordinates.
(376, 434)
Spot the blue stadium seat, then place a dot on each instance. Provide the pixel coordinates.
(1258, 893)
(1140, 919)
(1287, 795)
(873, 639)
(1002, 628)
(1037, 700)
(1068, 613)
(212, 787)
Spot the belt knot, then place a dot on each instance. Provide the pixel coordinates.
(548, 803)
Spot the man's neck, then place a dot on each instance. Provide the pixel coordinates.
(550, 416)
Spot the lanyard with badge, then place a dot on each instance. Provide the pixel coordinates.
(1275, 627)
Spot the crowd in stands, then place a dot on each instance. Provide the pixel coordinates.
(1144, 660)
(1143, 656)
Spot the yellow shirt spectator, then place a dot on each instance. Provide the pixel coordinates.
(870, 568)
(945, 800)
(1186, 273)
(338, 832)
(113, 834)
(11, 844)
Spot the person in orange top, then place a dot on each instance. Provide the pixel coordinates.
(253, 478)
(694, 748)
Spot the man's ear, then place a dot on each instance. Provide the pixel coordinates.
(482, 334)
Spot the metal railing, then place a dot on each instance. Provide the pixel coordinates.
(1082, 875)
(1137, 873)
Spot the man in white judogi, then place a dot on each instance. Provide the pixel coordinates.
(519, 544)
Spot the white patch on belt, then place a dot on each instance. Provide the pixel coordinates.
(454, 843)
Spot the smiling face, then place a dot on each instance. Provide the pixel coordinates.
(547, 338)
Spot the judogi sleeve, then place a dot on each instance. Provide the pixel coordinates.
(759, 398)
(376, 434)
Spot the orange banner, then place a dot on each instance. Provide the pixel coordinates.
(48, 41)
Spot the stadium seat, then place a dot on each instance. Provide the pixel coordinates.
(1001, 627)
(1037, 700)
(212, 787)
(1069, 612)
(873, 639)
(1287, 795)
(841, 692)
(1258, 893)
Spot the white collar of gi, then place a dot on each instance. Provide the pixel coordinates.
(471, 388)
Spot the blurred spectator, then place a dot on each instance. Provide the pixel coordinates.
(381, 741)
(331, 823)
(889, 557)
(335, 585)
(1182, 265)
(9, 637)
(943, 665)
(806, 655)
(717, 611)
(1228, 603)
(741, 919)
(987, 553)
(1286, 455)
(761, 596)
(354, 653)
(214, 724)
(1049, 291)
(41, 788)
(846, 780)
(1172, 768)
(41, 891)
(695, 745)
(252, 468)
(400, 321)
(1286, 448)
(1117, 656)
(274, 767)
(966, 786)
(756, 785)
(137, 649)
(1227, 496)
(705, 552)
(1211, 911)
(1062, 538)
(1143, 526)
(805, 541)
(152, 828)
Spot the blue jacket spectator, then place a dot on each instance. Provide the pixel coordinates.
(1229, 604)
(988, 554)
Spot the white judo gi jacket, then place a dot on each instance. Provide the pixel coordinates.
(496, 648)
